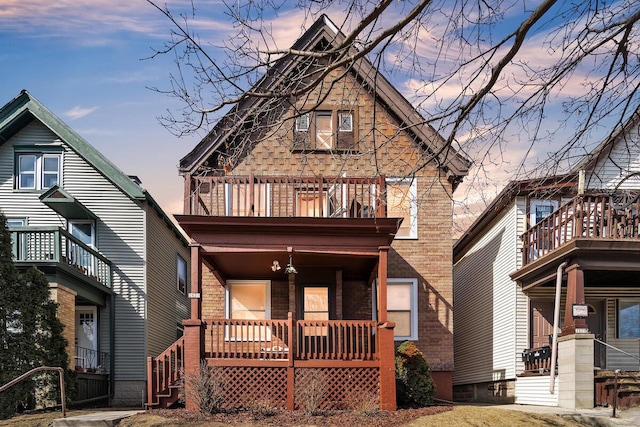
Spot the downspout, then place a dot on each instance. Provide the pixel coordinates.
(556, 320)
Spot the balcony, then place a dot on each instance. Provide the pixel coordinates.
(588, 217)
(55, 246)
(278, 196)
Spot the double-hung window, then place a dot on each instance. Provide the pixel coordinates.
(37, 171)
(248, 300)
(402, 307)
(402, 203)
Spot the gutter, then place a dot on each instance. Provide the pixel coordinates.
(556, 320)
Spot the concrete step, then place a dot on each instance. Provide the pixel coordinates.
(97, 419)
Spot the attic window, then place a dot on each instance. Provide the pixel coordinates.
(302, 123)
(325, 130)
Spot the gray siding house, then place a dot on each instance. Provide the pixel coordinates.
(117, 265)
(568, 242)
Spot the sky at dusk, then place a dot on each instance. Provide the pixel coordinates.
(87, 61)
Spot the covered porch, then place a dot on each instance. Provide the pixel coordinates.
(324, 318)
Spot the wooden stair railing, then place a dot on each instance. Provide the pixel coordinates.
(164, 376)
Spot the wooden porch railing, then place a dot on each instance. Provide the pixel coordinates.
(593, 216)
(56, 245)
(165, 372)
(284, 339)
(279, 196)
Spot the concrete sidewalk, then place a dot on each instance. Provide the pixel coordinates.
(98, 419)
(592, 417)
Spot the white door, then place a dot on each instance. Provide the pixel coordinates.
(87, 328)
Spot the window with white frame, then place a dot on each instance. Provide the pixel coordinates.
(302, 122)
(182, 274)
(248, 300)
(37, 171)
(628, 318)
(402, 307)
(402, 203)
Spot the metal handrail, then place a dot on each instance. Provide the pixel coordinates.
(38, 369)
(617, 349)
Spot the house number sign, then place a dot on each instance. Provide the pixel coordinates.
(194, 294)
(580, 310)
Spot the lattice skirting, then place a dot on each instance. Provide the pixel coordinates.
(337, 387)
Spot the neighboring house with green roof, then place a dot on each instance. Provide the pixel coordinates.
(116, 263)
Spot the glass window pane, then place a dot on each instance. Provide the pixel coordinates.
(83, 232)
(399, 296)
(248, 297)
(399, 205)
(324, 131)
(403, 322)
(629, 319)
(248, 315)
(182, 274)
(50, 164)
(316, 299)
(27, 164)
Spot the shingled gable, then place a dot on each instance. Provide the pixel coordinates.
(323, 29)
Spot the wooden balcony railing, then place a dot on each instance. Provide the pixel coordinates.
(56, 245)
(594, 216)
(342, 340)
(278, 196)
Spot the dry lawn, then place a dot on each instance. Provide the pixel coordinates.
(442, 417)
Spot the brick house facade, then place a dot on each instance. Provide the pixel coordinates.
(330, 203)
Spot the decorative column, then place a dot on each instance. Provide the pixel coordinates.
(575, 371)
(386, 343)
(194, 327)
(575, 295)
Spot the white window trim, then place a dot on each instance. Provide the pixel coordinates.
(186, 274)
(39, 170)
(350, 127)
(302, 122)
(413, 206)
(538, 202)
(227, 305)
(414, 305)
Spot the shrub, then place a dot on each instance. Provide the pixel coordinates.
(262, 408)
(414, 386)
(363, 403)
(206, 388)
(310, 391)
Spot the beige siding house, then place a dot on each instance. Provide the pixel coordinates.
(116, 263)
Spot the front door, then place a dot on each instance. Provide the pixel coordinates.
(541, 322)
(86, 337)
(595, 323)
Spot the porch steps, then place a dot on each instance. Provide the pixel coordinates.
(628, 389)
(97, 419)
(166, 399)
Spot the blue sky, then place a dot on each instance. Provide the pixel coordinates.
(85, 60)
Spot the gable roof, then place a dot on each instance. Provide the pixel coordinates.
(25, 108)
(324, 29)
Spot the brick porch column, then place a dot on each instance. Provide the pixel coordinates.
(575, 295)
(193, 353)
(387, 366)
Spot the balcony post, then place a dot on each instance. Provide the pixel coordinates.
(186, 209)
(291, 344)
(196, 282)
(575, 295)
(383, 252)
(387, 366)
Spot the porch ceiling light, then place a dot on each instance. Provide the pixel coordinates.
(290, 269)
(276, 265)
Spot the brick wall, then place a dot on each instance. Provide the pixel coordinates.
(66, 299)
(383, 148)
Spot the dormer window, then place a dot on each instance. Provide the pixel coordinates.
(325, 130)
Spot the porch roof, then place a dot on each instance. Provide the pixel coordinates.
(590, 254)
(244, 247)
